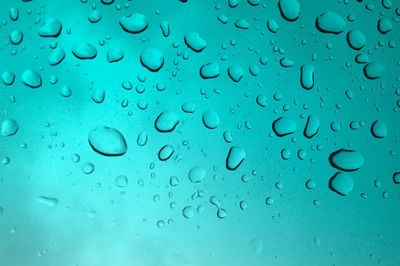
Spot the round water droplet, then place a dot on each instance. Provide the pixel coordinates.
(134, 23)
(195, 42)
(384, 25)
(235, 72)
(66, 91)
(341, 183)
(210, 119)
(284, 126)
(356, 39)
(330, 22)
(51, 28)
(121, 181)
(379, 129)
(107, 141)
(166, 121)
(8, 78)
(152, 59)
(396, 177)
(346, 160)
(235, 158)
(16, 37)
(197, 174)
(209, 70)
(269, 200)
(9, 127)
(31, 78)
(188, 212)
(84, 51)
(374, 70)
(88, 168)
(290, 9)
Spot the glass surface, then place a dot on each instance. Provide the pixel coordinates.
(199, 132)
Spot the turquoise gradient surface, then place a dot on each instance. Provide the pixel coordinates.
(199, 133)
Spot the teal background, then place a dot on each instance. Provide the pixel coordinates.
(97, 223)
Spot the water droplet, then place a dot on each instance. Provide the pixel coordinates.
(165, 152)
(236, 156)
(384, 25)
(257, 245)
(165, 28)
(188, 212)
(356, 39)
(307, 76)
(142, 139)
(269, 200)
(121, 181)
(166, 121)
(341, 183)
(346, 160)
(330, 22)
(379, 129)
(8, 78)
(31, 78)
(49, 201)
(197, 174)
(290, 9)
(312, 126)
(209, 70)
(189, 107)
(107, 141)
(134, 23)
(152, 59)
(374, 70)
(66, 91)
(57, 56)
(16, 37)
(195, 42)
(210, 119)
(396, 177)
(84, 51)
(9, 127)
(284, 126)
(115, 55)
(51, 28)
(272, 25)
(88, 168)
(98, 95)
(235, 72)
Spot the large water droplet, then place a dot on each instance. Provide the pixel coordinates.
(9, 127)
(356, 39)
(165, 152)
(31, 78)
(51, 28)
(284, 126)
(290, 9)
(211, 119)
(307, 76)
(84, 51)
(235, 72)
(379, 129)
(166, 121)
(312, 126)
(236, 156)
(195, 42)
(330, 22)
(346, 160)
(107, 141)
(374, 70)
(341, 183)
(209, 70)
(152, 59)
(197, 174)
(134, 23)
(57, 56)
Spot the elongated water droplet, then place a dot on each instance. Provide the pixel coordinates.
(84, 51)
(346, 160)
(107, 141)
(284, 126)
(235, 158)
(307, 76)
(312, 126)
(134, 23)
(166, 121)
(330, 22)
